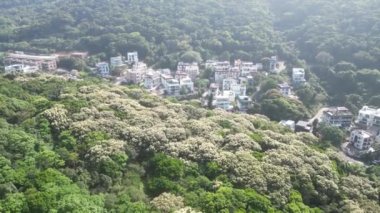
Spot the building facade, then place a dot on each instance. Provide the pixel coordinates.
(361, 139)
(191, 69)
(338, 116)
(133, 57)
(298, 76)
(103, 69)
(46, 63)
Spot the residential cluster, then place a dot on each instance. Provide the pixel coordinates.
(230, 83)
(162, 81)
(298, 79)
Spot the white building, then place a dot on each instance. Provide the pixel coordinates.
(43, 62)
(228, 83)
(133, 57)
(191, 69)
(20, 68)
(152, 80)
(285, 89)
(223, 101)
(298, 76)
(116, 61)
(275, 66)
(243, 103)
(361, 139)
(337, 116)
(103, 69)
(187, 84)
(172, 87)
(369, 117)
(246, 68)
(231, 84)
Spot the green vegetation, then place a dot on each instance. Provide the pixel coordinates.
(114, 153)
(88, 146)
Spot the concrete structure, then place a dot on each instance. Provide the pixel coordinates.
(133, 57)
(191, 69)
(228, 83)
(103, 69)
(337, 116)
(116, 61)
(214, 89)
(285, 89)
(275, 66)
(43, 62)
(172, 87)
(186, 85)
(246, 68)
(180, 75)
(361, 139)
(20, 68)
(243, 103)
(303, 126)
(152, 80)
(368, 117)
(298, 76)
(222, 101)
(289, 123)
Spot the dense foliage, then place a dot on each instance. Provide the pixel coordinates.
(161, 31)
(87, 146)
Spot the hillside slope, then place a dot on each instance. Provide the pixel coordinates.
(161, 31)
(92, 147)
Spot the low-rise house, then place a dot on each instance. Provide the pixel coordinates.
(243, 103)
(361, 139)
(298, 76)
(285, 89)
(103, 69)
(289, 123)
(337, 116)
(191, 69)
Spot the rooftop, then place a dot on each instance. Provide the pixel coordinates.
(338, 111)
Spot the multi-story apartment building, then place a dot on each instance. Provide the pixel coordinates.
(103, 69)
(361, 139)
(191, 69)
(132, 57)
(116, 61)
(369, 117)
(337, 116)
